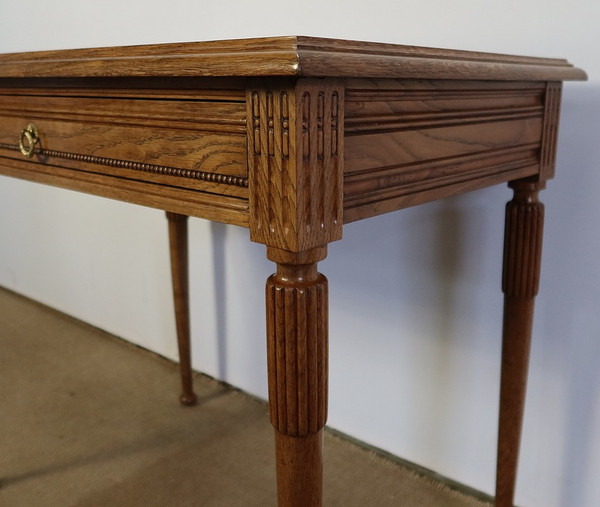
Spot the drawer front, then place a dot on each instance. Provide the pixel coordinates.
(192, 140)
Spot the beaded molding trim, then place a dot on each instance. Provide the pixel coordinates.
(139, 166)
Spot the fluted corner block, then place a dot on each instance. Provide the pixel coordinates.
(295, 148)
(523, 241)
(297, 347)
(552, 99)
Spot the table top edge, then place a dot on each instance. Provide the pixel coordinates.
(298, 56)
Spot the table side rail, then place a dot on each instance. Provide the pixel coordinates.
(413, 141)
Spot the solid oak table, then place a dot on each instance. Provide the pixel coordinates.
(292, 137)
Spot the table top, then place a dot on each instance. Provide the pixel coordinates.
(289, 136)
(285, 56)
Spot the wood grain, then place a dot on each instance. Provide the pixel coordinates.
(136, 144)
(520, 283)
(178, 249)
(220, 208)
(550, 130)
(285, 56)
(297, 356)
(299, 470)
(169, 141)
(295, 148)
(408, 142)
(249, 57)
(297, 348)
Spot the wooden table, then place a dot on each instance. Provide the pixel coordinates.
(292, 137)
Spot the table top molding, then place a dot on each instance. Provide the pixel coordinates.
(284, 56)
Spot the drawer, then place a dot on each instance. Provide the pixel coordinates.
(188, 139)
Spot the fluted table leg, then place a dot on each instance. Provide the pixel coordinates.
(297, 347)
(179, 270)
(522, 259)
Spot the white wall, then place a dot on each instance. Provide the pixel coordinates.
(415, 297)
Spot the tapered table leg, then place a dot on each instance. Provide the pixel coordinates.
(522, 258)
(179, 270)
(297, 347)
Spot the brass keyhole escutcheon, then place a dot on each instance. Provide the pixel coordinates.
(29, 138)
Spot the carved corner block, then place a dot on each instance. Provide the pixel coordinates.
(550, 130)
(295, 161)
